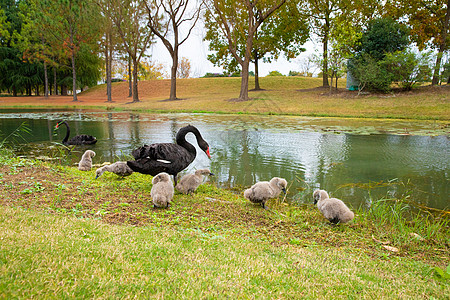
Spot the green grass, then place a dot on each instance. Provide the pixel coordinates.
(64, 234)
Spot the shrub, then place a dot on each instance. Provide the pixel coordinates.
(370, 74)
(275, 73)
(407, 68)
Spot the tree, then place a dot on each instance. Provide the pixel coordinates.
(242, 18)
(129, 16)
(283, 32)
(322, 14)
(150, 71)
(69, 26)
(429, 21)
(108, 44)
(330, 18)
(175, 16)
(184, 68)
(382, 36)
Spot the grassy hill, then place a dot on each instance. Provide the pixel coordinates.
(280, 95)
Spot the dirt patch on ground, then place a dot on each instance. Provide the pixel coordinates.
(96, 96)
(160, 89)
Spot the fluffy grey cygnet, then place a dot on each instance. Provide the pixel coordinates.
(190, 182)
(331, 208)
(85, 163)
(262, 191)
(119, 168)
(162, 190)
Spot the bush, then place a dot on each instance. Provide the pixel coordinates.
(407, 68)
(209, 75)
(370, 74)
(275, 73)
(404, 67)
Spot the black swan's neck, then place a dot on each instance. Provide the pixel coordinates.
(66, 138)
(181, 138)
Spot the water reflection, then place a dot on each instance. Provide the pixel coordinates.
(246, 149)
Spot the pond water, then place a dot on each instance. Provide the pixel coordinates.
(353, 159)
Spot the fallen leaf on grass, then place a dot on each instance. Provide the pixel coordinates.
(416, 236)
(393, 249)
(381, 242)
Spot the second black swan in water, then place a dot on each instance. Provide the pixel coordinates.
(168, 157)
(82, 139)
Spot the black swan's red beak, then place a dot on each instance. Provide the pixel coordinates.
(207, 153)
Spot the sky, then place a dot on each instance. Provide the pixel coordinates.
(196, 50)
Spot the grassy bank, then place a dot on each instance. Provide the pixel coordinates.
(281, 95)
(65, 234)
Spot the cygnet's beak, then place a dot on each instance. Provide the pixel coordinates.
(284, 190)
(96, 176)
(211, 174)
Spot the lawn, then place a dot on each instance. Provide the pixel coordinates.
(280, 95)
(65, 234)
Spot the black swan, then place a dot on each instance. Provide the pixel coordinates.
(82, 139)
(168, 157)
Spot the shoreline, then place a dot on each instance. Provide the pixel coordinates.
(284, 96)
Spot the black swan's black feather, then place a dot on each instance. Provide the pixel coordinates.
(82, 139)
(168, 157)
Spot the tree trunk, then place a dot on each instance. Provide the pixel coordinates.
(325, 61)
(74, 78)
(243, 95)
(45, 80)
(108, 66)
(130, 78)
(135, 80)
(173, 76)
(54, 81)
(331, 85)
(257, 87)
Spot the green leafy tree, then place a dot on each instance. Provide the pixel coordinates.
(130, 18)
(237, 19)
(334, 19)
(429, 21)
(11, 65)
(382, 36)
(283, 32)
(69, 27)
